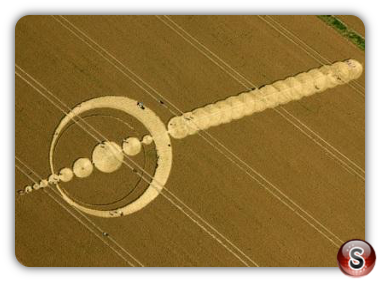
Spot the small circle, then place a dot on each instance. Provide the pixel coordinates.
(357, 259)
(107, 157)
(177, 127)
(36, 186)
(28, 189)
(131, 146)
(44, 183)
(355, 68)
(147, 140)
(83, 167)
(65, 174)
(53, 179)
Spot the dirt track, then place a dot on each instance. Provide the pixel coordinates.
(269, 228)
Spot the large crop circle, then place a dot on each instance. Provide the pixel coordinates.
(160, 137)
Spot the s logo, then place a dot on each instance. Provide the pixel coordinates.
(356, 258)
(356, 261)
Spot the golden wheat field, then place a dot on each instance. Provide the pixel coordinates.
(156, 140)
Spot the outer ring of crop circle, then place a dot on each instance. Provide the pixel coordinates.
(161, 139)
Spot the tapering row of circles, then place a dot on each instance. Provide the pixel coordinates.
(107, 157)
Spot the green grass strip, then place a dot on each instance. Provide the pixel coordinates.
(344, 30)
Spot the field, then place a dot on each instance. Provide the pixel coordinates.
(284, 187)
